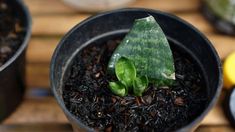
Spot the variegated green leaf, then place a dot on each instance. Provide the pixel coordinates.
(147, 47)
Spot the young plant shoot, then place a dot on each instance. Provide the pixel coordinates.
(125, 71)
(143, 56)
(139, 85)
(126, 74)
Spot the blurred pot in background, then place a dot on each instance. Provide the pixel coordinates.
(221, 13)
(97, 5)
(15, 31)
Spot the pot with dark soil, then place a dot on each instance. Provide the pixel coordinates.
(15, 31)
(135, 70)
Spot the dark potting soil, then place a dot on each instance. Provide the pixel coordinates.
(11, 32)
(87, 96)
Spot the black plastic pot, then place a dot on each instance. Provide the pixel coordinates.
(115, 23)
(12, 73)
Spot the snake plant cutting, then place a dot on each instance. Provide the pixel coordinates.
(144, 56)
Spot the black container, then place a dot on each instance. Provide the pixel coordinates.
(114, 23)
(12, 73)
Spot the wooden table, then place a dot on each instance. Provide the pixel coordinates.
(51, 20)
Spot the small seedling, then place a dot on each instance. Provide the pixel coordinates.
(140, 85)
(125, 71)
(118, 88)
(127, 80)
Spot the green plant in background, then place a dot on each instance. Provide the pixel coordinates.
(225, 9)
(144, 56)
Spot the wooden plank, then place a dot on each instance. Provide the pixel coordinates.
(59, 7)
(223, 44)
(38, 58)
(215, 117)
(197, 20)
(40, 49)
(37, 127)
(60, 24)
(37, 110)
(219, 128)
(55, 25)
(37, 75)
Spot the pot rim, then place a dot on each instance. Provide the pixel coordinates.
(27, 36)
(190, 26)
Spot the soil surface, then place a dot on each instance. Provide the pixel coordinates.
(87, 96)
(11, 32)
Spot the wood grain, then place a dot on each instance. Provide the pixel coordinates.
(58, 25)
(219, 128)
(37, 75)
(37, 127)
(40, 49)
(223, 44)
(37, 110)
(48, 7)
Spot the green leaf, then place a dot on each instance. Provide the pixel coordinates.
(140, 85)
(118, 88)
(125, 71)
(147, 47)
